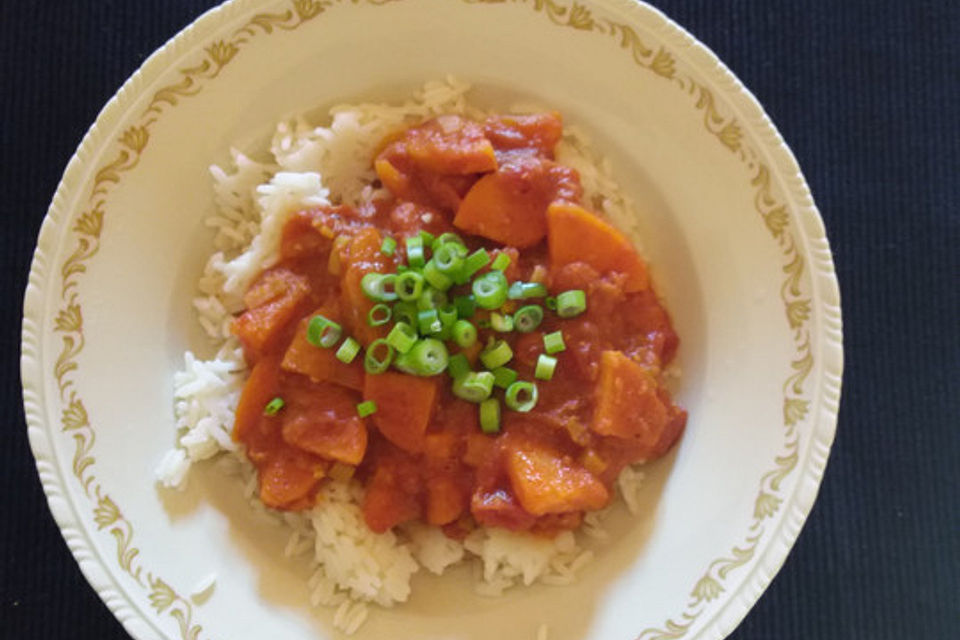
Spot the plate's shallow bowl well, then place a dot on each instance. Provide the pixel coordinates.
(736, 246)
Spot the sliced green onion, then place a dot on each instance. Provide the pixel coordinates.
(501, 323)
(545, 367)
(571, 303)
(348, 350)
(367, 408)
(447, 259)
(415, 257)
(402, 268)
(448, 237)
(521, 396)
(405, 312)
(379, 314)
(273, 407)
(490, 290)
(388, 247)
(490, 415)
(483, 323)
(402, 337)
(458, 366)
(409, 285)
(503, 377)
(528, 318)
(323, 332)
(496, 355)
(448, 318)
(464, 334)
(428, 357)
(525, 290)
(501, 262)
(473, 263)
(466, 306)
(553, 342)
(378, 357)
(428, 321)
(435, 277)
(550, 303)
(475, 386)
(427, 238)
(379, 287)
(431, 299)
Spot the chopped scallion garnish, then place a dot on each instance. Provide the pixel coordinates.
(501, 323)
(474, 386)
(379, 315)
(464, 334)
(402, 337)
(521, 396)
(503, 377)
(490, 415)
(409, 285)
(388, 247)
(545, 367)
(323, 332)
(348, 350)
(496, 355)
(528, 318)
(571, 303)
(490, 290)
(501, 262)
(415, 254)
(273, 407)
(366, 408)
(378, 357)
(553, 342)
(458, 366)
(379, 287)
(524, 290)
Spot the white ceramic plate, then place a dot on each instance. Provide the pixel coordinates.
(727, 221)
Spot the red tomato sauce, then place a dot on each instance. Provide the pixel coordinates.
(422, 455)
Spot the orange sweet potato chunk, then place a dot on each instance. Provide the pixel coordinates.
(319, 364)
(510, 205)
(260, 388)
(577, 235)
(273, 302)
(404, 406)
(322, 419)
(393, 493)
(545, 481)
(289, 479)
(628, 404)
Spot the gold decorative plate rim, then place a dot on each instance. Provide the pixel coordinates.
(793, 222)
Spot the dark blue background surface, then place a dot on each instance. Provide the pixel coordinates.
(865, 92)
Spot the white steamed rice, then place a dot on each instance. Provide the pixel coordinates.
(352, 566)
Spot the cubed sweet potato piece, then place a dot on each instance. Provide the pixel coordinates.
(273, 302)
(404, 406)
(445, 499)
(546, 481)
(321, 418)
(393, 492)
(450, 144)
(318, 363)
(510, 205)
(628, 404)
(260, 388)
(538, 132)
(577, 235)
(289, 479)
